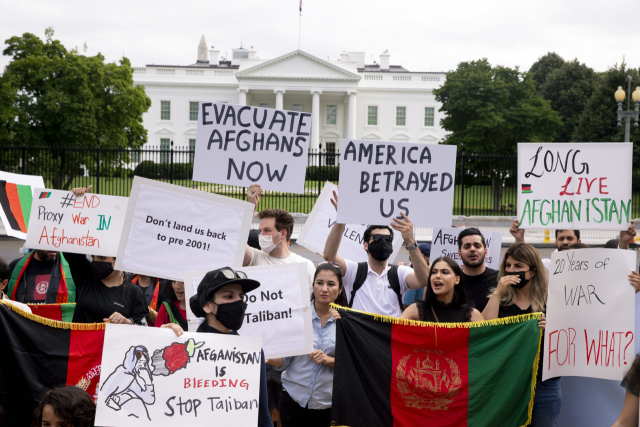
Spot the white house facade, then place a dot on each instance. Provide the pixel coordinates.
(348, 99)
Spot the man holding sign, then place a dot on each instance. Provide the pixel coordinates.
(374, 286)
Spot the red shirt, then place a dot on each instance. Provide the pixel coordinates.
(163, 316)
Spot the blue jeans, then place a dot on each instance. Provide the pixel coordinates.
(547, 403)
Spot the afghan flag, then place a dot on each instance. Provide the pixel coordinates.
(392, 372)
(15, 201)
(59, 312)
(38, 354)
(526, 189)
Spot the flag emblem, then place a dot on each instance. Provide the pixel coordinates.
(45, 195)
(526, 188)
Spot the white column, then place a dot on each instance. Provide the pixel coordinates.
(242, 96)
(315, 119)
(279, 99)
(351, 126)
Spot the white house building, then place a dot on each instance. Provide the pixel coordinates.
(347, 98)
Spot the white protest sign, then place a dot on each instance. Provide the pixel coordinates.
(575, 186)
(170, 229)
(243, 145)
(445, 243)
(378, 180)
(16, 196)
(151, 377)
(590, 314)
(278, 311)
(320, 221)
(91, 224)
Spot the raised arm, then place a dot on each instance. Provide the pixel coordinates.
(627, 236)
(333, 241)
(420, 276)
(516, 231)
(253, 196)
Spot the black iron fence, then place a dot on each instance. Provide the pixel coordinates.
(485, 183)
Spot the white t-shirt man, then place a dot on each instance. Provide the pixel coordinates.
(376, 294)
(259, 257)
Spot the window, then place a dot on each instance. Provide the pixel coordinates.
(331, 114)
(428, 116)
(331, 154)
(193, 111)
(165, 146)
(264, 105)
(372, 116)
(401, 116)
(192, 149)
(165, 110)
(240, 55)
(298, 107)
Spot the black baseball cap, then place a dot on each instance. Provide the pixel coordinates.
(214, 280)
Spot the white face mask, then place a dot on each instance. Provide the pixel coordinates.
(266, 243)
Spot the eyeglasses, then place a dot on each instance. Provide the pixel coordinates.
(229, 273)
(333, 263)
(378, 237)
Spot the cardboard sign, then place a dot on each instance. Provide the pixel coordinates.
(243, 145)
(316, 230)
(445, 243)
(378, 180)
(170, 229)
(91, 224)
(575, 186)
(151, 377)
(279, 311)
(590, 314)
(16, 196)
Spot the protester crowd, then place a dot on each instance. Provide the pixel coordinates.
(297, 391)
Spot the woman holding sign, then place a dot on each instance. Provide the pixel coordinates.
(522, 289)
(174, 309)
(220, 300)
(308, 380)
(445, 299)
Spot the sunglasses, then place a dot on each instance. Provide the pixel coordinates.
(230, 274)
(378, 237)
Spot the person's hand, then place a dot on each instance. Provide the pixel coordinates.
(79, 191)
(405, 227)
(175, 328)
(253, 194)
(634, 279)
(505, 282)
(319, 357)
(542, 323)
(516, 231)
(118, 319)
(335, 313)
(334, 200)
(627, 236)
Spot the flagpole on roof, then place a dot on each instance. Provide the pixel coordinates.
(299, 25)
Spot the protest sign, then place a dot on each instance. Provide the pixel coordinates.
(590, 314)
(574, 186)
(378, 180)
(279, 311)
(316, 230)
(91, 224)
(149, 376)
(445, 243)
(16, 196)
(170, 229)
(243, 145)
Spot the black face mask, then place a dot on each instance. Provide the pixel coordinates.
(523, 281)
(231, 314)
(101, 270)
(381, 249)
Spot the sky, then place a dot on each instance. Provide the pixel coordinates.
(422, 35)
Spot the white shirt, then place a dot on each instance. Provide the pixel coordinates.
(259, 257)
(376, 294)
(21, 306)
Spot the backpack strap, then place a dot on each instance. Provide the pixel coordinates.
(394, 281)
(361, 277)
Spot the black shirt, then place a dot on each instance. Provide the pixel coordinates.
(631, 380)
(478, 287)
(37, 277)
(443, 313)
(96, 302)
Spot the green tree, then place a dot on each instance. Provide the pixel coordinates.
(489, 110)
(598, 120)
(568, 88)
(544, 66)
(57, 98)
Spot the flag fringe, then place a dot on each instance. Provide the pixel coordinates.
(55, 323)
(50, 305)
(534, 378)
(408, 322)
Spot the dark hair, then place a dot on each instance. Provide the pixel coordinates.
(5, 271)
(632, 376)
(470, 232)
(284, 220)
(576, 232)
(342, 296)
(579, 246)
(72, 404)
(459, 295)
(367, 232)
(611, 244)
(169, 292)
